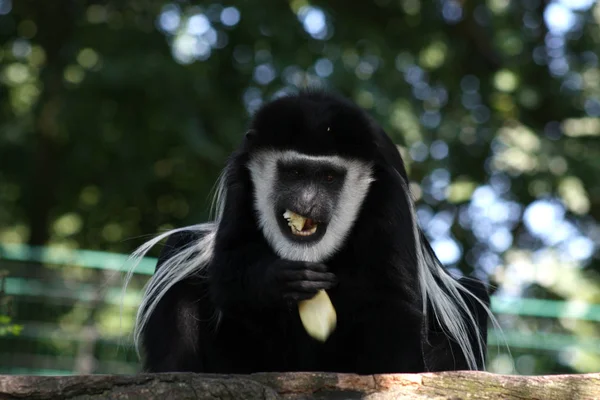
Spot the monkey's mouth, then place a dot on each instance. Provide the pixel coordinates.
(300, 225)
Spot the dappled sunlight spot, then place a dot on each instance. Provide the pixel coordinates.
(503, 103)
(21, 48)
(264, 74)
(438, 149)
(364, 70)
(293, 75)
(169, 19)
(542, 217)
(198, 24)
(112, 232)
(574, 195)
(438, 225)
(24, 97)
(96, 14)
(88, 58)
(67, 225)
(187, 49)
(447, 250)
(592, 108)
(314, 21)
(37, 56)
(498, 7)
(350, 58)
(5, 7)
(323, 67)
(365, 99)
(531, 20)
(403, 61)
(528, 97)
(576, 127)
(501, 364)
(579, 248)
(506, 81)
(562, 276)
(431, 119)
(16, 234)
(546, 220)
(90, 196)
(572, 82)
(230, 16)
(414, 75)
(471, 100)
(16, 74)
(193, 36)
(434, 55)
(578, 5)
(515, 160)
(501, 240)
(469, 83)
(403, 119)
(74, 74)
(252, 99)
(460, 191)
(418, 152)
(452, 11)
(558, 165)
(558, 66)
(559, 18)
(519, 149)
(436, 183)
(510, 43)
(411, 7)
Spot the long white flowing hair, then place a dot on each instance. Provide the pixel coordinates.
(438, 288)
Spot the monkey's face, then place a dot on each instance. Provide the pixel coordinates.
(306, 205)
(305, 198)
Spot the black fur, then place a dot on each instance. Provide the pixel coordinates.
(372, 281)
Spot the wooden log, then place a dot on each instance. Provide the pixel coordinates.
(296, 386)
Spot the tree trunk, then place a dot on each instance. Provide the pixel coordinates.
(54, 21)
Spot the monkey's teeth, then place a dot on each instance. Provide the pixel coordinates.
(304, 233)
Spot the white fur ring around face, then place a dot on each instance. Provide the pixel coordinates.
(318, 316)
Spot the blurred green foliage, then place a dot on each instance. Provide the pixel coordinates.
(6, 327)
(116, 118)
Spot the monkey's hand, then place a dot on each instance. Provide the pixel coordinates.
(267, 284)
(294, 281)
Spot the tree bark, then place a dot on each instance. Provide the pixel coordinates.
(270, 386)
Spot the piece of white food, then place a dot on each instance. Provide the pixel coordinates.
(318, 316)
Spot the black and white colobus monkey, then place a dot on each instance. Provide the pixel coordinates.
(224, 295)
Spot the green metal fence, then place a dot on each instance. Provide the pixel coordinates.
(68, 302)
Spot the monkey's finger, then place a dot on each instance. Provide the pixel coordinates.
(301, 266)
(308, 276)
(299, 296)
(309, 286)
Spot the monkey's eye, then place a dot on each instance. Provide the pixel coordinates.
(329, 178)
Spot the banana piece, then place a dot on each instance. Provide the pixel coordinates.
(318, 316)
(294, 220)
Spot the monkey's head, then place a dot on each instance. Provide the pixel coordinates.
(312, 159)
